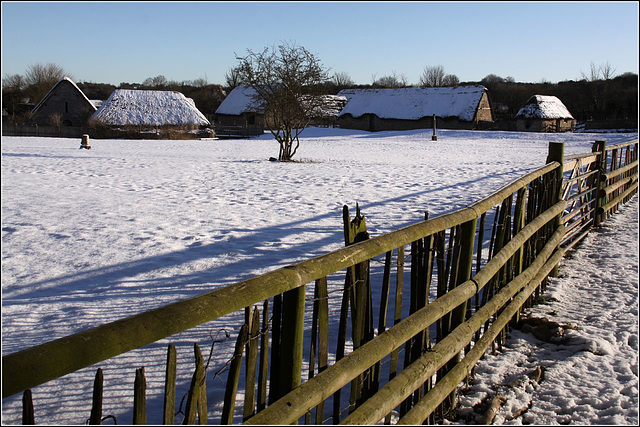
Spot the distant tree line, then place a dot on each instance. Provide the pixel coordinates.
(598, 95)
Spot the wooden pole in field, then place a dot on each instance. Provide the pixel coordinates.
(434, 137)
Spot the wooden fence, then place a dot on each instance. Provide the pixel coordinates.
(14, 129)
(471, 272)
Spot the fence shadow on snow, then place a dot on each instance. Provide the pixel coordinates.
(395, 349)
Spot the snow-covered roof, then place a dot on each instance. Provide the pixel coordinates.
(330, 106)
(97, 102)
(544, 107)
(242, 99)
(414, 103)
(64, 79)
(149, 108)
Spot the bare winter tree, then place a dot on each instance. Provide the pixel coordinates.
(232, 78)
(607, 71)
(342, 80)
(394, 80)
(450, 80)
(594, 73)
(287, 80)
(432, 76)
(40, 78)
(13, 86)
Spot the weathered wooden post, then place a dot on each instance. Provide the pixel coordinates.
(28, 417)
(556, 154)
(601, 147)
(96, 407)
(291, 339)
(465, 266)
(139, 398)
(85, 142)
(434, 137)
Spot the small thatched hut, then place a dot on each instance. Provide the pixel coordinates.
(544, 113)
(64, 105)
(462, 107)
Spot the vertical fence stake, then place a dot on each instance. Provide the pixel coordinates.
(28, 413)
(170, 386)
(556, 154)
(292, 337)
(234, 377)
(96, 406)
(600, 146)
(139, 398)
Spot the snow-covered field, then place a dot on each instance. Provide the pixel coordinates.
(91, 236)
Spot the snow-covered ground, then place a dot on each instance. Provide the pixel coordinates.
(92, 236)
(590, 364)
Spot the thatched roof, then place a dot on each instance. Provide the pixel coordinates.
(414, 103)
(544, 107)
(149, 108)
(242, 99)
(64, 80)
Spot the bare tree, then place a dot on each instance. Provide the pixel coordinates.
(232, 78)
(432, 76)
(200, 81)
(394, 80)
(450, 80)
(607, 71)
(157, 81)
(342, 79)
(594, 73)
(492, 79)
(13, 86)
(40, 78)
(287, 80)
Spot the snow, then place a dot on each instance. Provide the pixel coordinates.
(149, 108)
(414, 103)
(242, 99)
(544, 107)
(92, 236)
(591, 372)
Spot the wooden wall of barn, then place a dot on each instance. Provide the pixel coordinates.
(68, 102)
(373, 123)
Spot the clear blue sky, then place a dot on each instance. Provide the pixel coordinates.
(114, 42)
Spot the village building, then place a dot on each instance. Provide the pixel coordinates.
(462, 107)
(149, 109)
(64, 105)
(544, 113)
(240, 114)
(327, 114)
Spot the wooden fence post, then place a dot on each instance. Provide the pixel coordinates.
(465, 266)
(139, 398)
(291, 339)
(96, 407)
(169, 406)
(600, 146)
(556, 154)
(234, 377)
(28, 417)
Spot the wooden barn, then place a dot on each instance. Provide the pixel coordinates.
(149, 109)
(327, 114)
(240, 114)
(544, 113)
(64, 105)
(462, 107)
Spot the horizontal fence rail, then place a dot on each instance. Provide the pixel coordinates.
(470, 274)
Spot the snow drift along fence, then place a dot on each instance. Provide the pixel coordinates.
(512, 239)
